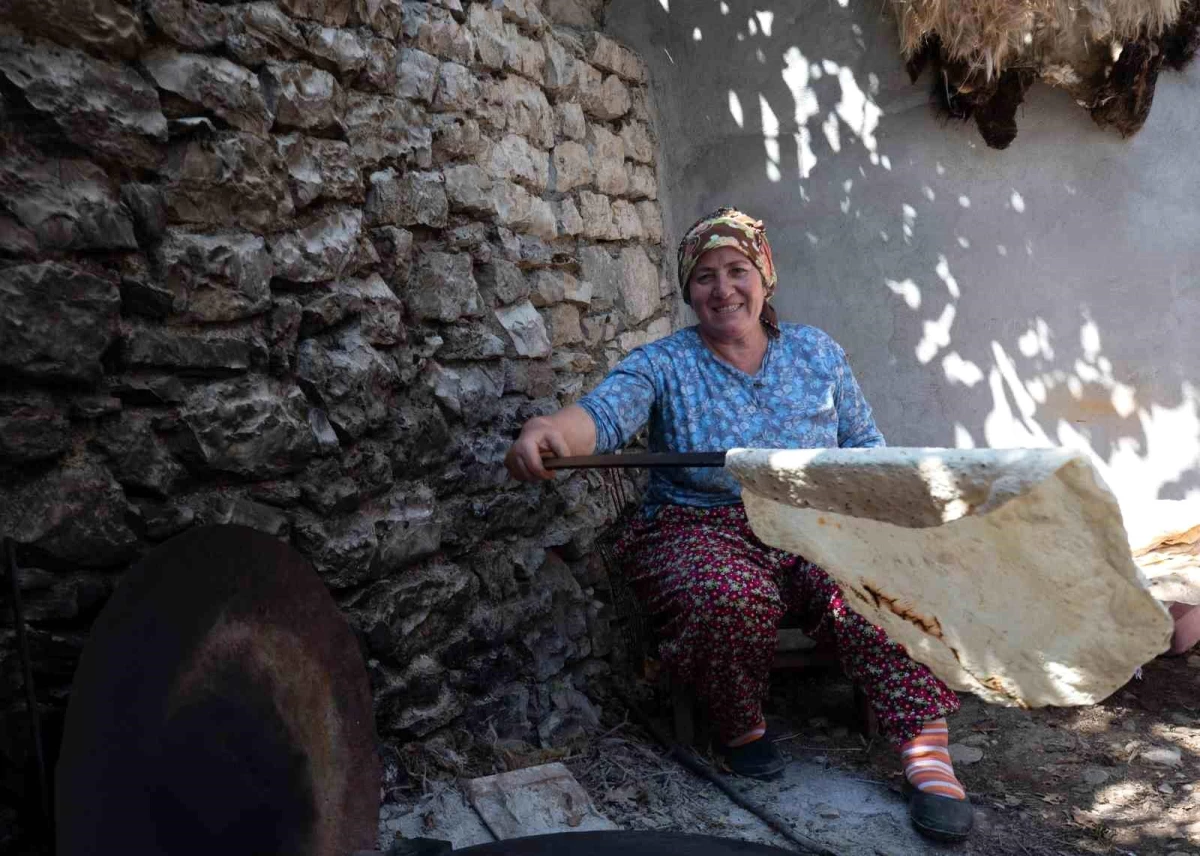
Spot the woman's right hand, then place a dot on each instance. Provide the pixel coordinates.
(540, 438)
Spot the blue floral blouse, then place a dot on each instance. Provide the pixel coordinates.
(804, 396)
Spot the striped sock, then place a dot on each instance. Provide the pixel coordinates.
(750, 736)
(927, 762)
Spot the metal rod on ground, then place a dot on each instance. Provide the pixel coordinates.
(685, 757)
(35, 722)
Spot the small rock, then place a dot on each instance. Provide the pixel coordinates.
(827, 811)
(1095, 776)
(1164, 788)
(1194, 661)
(1162, 756)
(965, 755)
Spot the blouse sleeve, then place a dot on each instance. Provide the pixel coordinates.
(620, 405)
(856, 425)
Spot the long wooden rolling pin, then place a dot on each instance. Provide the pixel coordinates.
(637, 459)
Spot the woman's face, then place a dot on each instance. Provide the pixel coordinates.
(726, 293)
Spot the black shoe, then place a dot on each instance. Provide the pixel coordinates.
(939, 817)
(758, 759)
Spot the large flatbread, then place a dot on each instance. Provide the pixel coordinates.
(1007, 572)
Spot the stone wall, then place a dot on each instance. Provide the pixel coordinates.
(307, 266)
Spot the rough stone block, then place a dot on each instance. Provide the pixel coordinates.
(504, 280)
(564, 324)
(554, 286)
(57, 321)
(226, 89)
(339, 50)
(596, 211)
(514, 159)
(605, 98)
(456, 138)
(382, 128)
(442, 288)
(571, 122)
(260, 31)
(251, 427)
(651, 217)
(604, 273)
(457, 89)
(638, 144)
(526, 328)
(381, 70)
(223, 277)
(608, 55)
(333, 13)
(379, 311)
(639, 285)
(106, 27)
(627, 220)
(561, 68)
(584, 14)
(472, 341)
(351, 381)
(524, 13)
(228, 179)
(572, 166)
(469, 188)
(641, 182)
(33, 427)
(407, 200)
(341, 550)
(394, 247)
(418, 75)
(493, 45)
(136, 455)
(319, 169)
(517, 209)
(191, 351)
(301, 96)
(520, 107)
(435, 31)
(319, 252)
(105, 108)
(470, 393)
(608, 160)
(74, 517)
(570, 223)
(66, 205)
(385, 17)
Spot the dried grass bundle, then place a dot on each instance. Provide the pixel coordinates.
(1106, 53)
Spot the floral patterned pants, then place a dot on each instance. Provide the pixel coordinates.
(717, 594)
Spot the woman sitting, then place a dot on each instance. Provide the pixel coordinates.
(740, 378)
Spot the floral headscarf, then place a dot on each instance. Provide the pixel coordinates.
(728, 227)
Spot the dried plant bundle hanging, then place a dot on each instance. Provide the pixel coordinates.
(985, 54)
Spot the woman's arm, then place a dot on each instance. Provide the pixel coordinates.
(607, 417)
(568, 432)
(856, 424)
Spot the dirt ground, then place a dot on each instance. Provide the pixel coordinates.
(1122, 777)
(1116, 778)
(1119, 777)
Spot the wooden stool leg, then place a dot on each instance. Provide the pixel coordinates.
(684, 710)
(867, 721)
